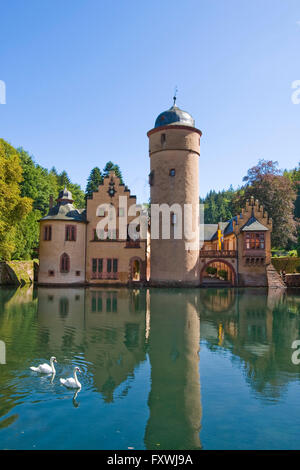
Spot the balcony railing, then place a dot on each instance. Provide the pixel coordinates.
(106, 276)
(218, 253)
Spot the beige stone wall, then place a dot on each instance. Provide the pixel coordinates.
(179, 149)
(111, 249)
(51, 251)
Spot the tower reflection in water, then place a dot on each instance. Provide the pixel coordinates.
(114, 330)
(174, 399)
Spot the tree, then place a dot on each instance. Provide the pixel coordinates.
(219, 206)
(275, 191)
(27, 236)
(110, 166)
(38, 183)
(13, 207)
(94, 180)
(63, 180)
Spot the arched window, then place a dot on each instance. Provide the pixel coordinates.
(64, 263)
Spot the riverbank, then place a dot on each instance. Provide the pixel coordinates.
(18, 273)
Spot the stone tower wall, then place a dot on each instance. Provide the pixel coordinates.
(175, 148)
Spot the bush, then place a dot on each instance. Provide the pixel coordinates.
(287, 264)
(223, 274)
(211, 270)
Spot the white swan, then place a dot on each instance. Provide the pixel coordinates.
(45, 368)
(72, 382)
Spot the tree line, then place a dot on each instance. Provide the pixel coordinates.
(25, 189)
(278, 191)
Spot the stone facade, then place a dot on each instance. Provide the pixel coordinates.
(80, 246)
(174, 180)
(130, 254)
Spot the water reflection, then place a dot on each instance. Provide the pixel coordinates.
(109, 333)
(174, 400)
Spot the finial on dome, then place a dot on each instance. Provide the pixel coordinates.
(175, 96)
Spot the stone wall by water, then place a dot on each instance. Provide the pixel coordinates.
(18, 273)
(292, 280)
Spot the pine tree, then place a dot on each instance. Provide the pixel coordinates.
(110, 166)
(94, 180)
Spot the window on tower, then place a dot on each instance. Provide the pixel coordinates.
(172, 172)
(70, 233)
(47, 233)
(163, 139)
(151, 178)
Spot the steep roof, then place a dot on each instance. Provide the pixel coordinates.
(66, 212)
(253, 225)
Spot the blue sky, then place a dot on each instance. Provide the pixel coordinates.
(85, 81)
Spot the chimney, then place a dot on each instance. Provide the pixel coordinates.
(50, 201)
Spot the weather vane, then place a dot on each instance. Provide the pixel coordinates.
(175, 96)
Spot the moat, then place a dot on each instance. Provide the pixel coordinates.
(161, 368)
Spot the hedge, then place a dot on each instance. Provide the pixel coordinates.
(289, 264)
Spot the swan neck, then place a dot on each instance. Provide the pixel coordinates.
(75, 377)
(52, 367)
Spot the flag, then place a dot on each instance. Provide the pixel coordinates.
(220, 239)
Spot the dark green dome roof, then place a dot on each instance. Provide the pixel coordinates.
(174, 116)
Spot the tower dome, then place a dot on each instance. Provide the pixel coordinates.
(174, 116)
(65, 196)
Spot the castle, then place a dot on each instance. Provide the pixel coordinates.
(74, 251)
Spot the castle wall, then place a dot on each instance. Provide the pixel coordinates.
(118, 248)
(50, 253)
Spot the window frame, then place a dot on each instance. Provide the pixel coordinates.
(70, 233)
(65, 263)
(255, 241)
(47, 233)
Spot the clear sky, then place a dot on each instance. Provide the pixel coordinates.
(86, 79)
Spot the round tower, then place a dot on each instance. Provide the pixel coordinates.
(174, 149)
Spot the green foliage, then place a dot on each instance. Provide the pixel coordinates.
(38, 183)
(223, 274)
(110, 166)
(275, 191)
(27, 187)
(211, 270)
(13, 206)
(219, 206)
(288, 264)
(27, 237)
(94, 180)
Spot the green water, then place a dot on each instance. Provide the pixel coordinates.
(161, 369)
